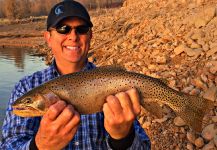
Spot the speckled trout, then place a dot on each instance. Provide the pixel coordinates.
(87, 92)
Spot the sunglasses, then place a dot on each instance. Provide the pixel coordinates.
(66, 29)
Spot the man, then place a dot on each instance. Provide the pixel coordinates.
(68, 35)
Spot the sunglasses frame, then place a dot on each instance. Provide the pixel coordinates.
(68, 31)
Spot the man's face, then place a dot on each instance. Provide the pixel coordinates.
(71, 47)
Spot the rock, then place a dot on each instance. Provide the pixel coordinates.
(198, 83)
(204, 46)
(213, 69)
(188, 89)
(146, 125)
(199, 2)
(181, 48)
(195, 45)
(200, 22)
(215, 140)
(209, 132)
(203, 77)
(172, 83)
(204, 17)
(211, 52)
(161, 120)
(211, 93)
(195, 91)
(191, 137)
(190, 41)
(179, 122)
(214, 118)
(216, 80)
(193, 52)
(152, 67)
(190, 146)
(199, 142)
(141, 119)
(161, 59)
(213, 44)
(140, 56)
(209, 146)
(198, 35)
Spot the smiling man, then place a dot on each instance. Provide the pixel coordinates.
(68, 35)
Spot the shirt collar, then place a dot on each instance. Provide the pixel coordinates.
(88, 66)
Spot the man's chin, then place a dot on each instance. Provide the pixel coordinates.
(76, 61)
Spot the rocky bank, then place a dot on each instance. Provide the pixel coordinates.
(171, 39)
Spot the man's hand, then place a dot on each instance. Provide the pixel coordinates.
(58, 126)
(120, 111)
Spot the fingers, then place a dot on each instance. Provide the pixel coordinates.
(135, 99)
(109, 115)
(114, 105)
(73, 123)
(55, 110)
(125, 102)
(66, 115)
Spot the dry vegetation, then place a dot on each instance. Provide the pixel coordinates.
(13, 9)
(16, 9)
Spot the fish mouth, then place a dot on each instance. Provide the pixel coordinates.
(21, 108)
(26, 111)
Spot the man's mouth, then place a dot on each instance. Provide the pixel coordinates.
(72, 48)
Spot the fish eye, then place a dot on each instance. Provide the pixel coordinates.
(28, 100)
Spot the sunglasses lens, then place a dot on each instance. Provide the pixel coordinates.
(63, 29)
(82, 29)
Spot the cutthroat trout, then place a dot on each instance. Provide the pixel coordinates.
(87, 92)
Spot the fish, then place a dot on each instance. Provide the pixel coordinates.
(87, 91)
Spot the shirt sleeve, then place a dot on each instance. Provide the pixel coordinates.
(17, 132)
(141, 140)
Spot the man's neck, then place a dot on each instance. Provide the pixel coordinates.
(66, 68)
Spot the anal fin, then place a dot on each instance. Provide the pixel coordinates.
(154, 108)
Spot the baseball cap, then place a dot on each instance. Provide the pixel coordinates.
(65, 9)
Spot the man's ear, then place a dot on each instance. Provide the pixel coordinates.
(47, 36)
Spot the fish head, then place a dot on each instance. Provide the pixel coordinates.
(31, 104)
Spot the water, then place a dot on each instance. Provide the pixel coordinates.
(14, 64)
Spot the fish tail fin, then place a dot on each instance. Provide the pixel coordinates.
(194, 111)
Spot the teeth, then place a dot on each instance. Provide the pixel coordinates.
(72, 47)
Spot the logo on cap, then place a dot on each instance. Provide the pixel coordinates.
(59, 10)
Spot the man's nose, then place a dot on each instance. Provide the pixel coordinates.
(73, 35)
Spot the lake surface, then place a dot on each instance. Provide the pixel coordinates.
(14, 64)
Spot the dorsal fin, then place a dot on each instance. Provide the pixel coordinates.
(165, 81)
(111, 67)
